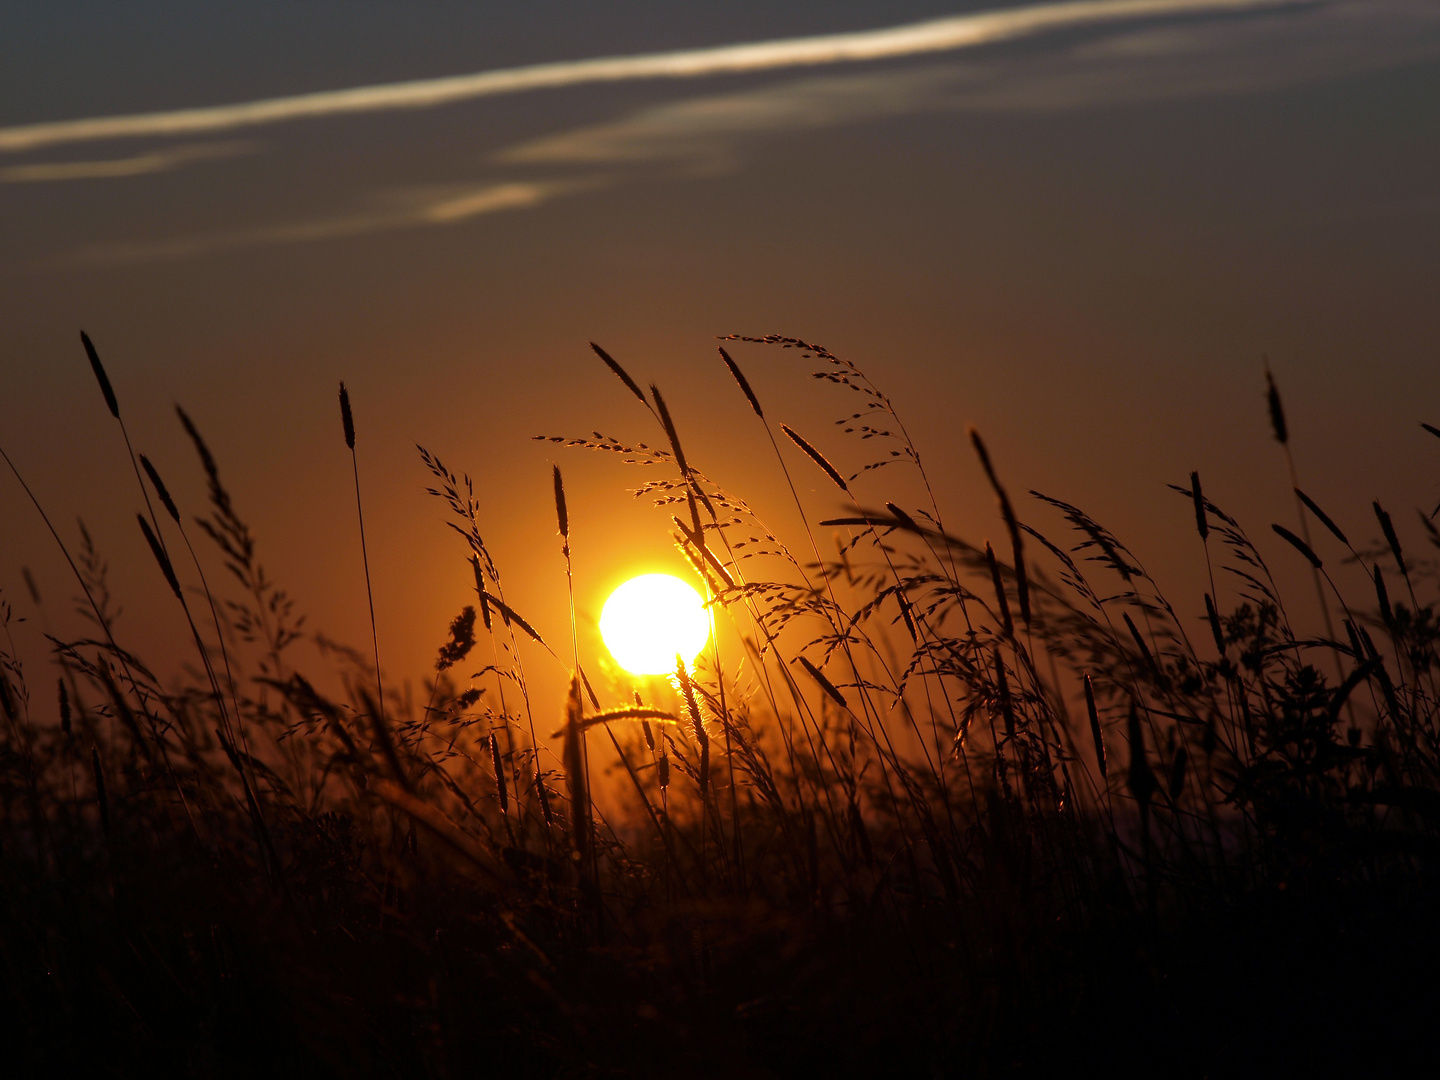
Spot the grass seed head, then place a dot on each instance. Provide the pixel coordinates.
(1213, 617)
(1141, 778)
(1001, 601)
(499, 769)
(64, 708)
(462, 640)
(30, 586)
(347, 419)
(904, 519)
(1277, 411)
(670, 433)
(102, 798)
(1202, 525)
(1382, 596)
(160, 489)
(1322, 517)
(1095, 734)
(480, 591)
(574, 759)
(1298, 544)
(1002, 686)
(824, 683)
(1140, 643)
(1012, 525)
(816, 457)
(620, 373)
(100, 376)
(697, 723)
(160, 556)
(562, 516)
(1388, 528)
(1177, 774)
(744, 384)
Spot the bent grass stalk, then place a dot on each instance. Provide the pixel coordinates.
(347, 422)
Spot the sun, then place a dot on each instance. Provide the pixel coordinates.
(649, 619)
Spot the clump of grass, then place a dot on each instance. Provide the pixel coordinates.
(884, 835)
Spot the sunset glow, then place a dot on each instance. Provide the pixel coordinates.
(650, 619)
(731, 537)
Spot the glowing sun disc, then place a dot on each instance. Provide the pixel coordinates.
(649, 619)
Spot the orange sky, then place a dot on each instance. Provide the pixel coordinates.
(1082, 241)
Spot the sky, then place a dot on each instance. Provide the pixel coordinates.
(1082, 227)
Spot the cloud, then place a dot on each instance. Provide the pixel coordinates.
(702, 131)
(933, 36)
(410, 208)
(710, 134)
(1263, 51)
(140, 165)
(487, 200)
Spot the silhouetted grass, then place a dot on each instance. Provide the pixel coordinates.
(919, 810)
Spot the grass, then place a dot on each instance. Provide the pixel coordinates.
(926, 808)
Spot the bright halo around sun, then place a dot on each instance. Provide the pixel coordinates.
(649, 619)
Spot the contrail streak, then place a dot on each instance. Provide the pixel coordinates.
(936, 35)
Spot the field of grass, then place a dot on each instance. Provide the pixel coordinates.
(929, 808)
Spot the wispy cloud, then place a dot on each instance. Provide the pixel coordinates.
(933, 36)
(139, 165)
(701, 132)
(1127, 65)
(1206, 59)
(714, 132)
(409, 209)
